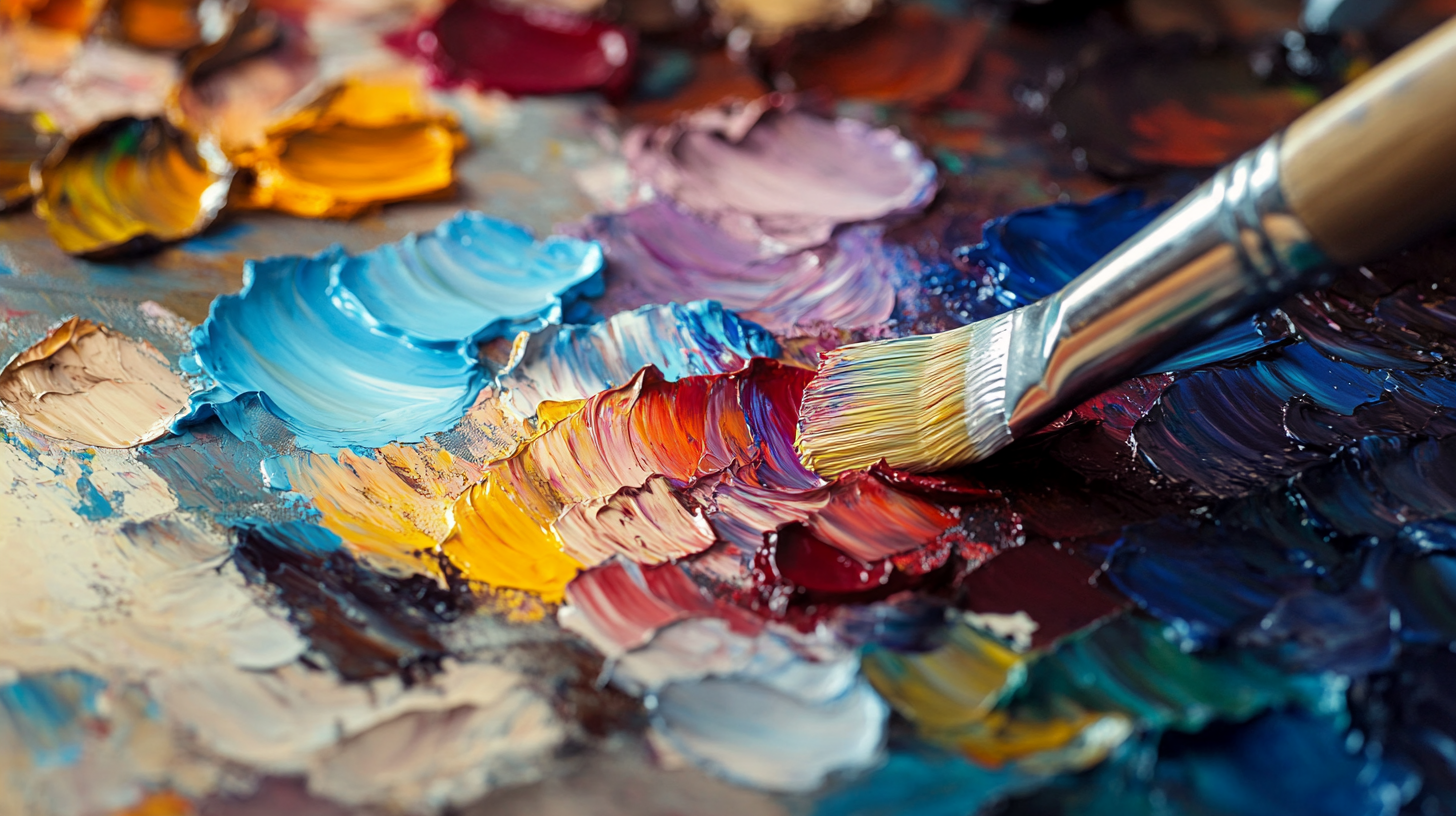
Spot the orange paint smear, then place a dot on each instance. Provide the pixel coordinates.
(165, 803)
(358, 146)
(910, 55)
(1169, 133)
(505, 533)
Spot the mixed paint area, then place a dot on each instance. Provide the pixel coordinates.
(400, 405)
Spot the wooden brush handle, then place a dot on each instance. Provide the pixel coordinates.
(1374, 166)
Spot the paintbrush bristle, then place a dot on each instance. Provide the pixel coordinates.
(922, 403)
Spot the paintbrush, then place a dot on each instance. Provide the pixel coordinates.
(1355, 178)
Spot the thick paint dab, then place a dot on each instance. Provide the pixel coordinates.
(622, 438)
(1281, 762)
(1332, 569)
(679, 340)
(361, 623)
(357, 146)
(332, 345)
(1068, 707)
(129, 185)
(659, 250)
(770, 173)
(90, 384)
(537, 50)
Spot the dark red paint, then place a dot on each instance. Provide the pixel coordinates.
(521, 52)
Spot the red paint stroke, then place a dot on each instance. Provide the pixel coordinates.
(531, 51)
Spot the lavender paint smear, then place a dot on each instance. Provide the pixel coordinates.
(773, 175)
(659, 251)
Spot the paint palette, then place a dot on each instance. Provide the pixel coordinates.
(400, 405)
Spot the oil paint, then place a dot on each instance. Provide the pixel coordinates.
(400, 404)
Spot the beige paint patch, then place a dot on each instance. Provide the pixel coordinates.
(89, 384)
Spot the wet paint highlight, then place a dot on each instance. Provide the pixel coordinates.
(129, 185)
(537, 50)
(357, 146)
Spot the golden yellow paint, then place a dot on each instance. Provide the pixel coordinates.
(950, 688)
(131, 182)
(498, 542)
(380, 513)
(357, 146)
(550, 412)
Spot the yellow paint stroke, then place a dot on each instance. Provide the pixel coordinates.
(394, 508)
(952, 695)
(357, 146)
(621, 438)
(498, 542)
(89, 384)
(129, 182)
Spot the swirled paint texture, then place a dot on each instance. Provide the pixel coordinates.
(680, 340)
(357, 146)
(131, 184)
(358, 351)
(771, 173)
(664, 251)
(93, 385)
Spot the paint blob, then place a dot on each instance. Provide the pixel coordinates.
(131, 184)
(343, 360)
(89, 384)
(357, 146)
(769, 172)
(533, 50)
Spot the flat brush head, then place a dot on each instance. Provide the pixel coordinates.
(921, 404)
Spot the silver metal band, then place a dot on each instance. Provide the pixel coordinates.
(1227, 250)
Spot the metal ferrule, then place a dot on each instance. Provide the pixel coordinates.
(1227, 250)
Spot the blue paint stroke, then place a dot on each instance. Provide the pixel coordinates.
(381, 348)
(1278, 764)
(573, 362)
(46, 712)
(475, 278)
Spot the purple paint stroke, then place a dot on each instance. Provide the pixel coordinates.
(659, 252)
(780, 177)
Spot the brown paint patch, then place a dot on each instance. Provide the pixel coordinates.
(89, 384)
(910, 55)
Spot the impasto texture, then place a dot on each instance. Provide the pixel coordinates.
(399, 406)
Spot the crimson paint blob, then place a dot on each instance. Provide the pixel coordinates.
(530, 51)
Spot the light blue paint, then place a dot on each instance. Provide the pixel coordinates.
(92, 504)
(681, 340)
(473, 279)
(45, 711)
(381, 348)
